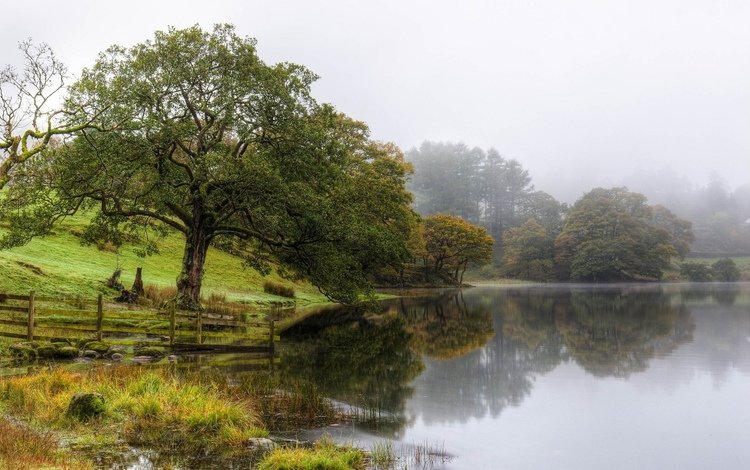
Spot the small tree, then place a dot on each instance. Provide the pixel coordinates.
(527, 252)
(725, 270)
(451, 244)
(29, 114)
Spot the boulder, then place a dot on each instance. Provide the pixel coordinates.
(260, 444)
(67, 352)
(23, 351)
(91, 354)
(47, 351)
(84, 406)
(97, 346)
(116, 357)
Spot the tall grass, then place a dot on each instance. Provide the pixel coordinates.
(149, 407)
(324, 455)
(24, 448)
(275, 288)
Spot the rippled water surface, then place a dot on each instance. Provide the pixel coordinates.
(552, 377)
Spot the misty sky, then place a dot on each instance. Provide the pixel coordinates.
(581, 92)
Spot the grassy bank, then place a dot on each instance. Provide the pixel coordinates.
(59, 265)
(180, 415)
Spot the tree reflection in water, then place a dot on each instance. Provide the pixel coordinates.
(472, 355)
(367, 363)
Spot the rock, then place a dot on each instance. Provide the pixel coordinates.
(116, 357)
(84, 406)
(164, 338)
(22, 351)
(67, 352)
(90, 353)
(152, 351)
(115, 350)
(97, 346)
(48, 351)
(144, 359)
(260, 444)
(172, 358)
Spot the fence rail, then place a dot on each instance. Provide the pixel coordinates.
(30, 311)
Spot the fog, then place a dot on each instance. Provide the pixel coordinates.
(582, 93)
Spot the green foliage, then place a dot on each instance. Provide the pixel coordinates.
(725, 270)
(201, 137)
(528, 252)
(451, 244)
(696, 272)
(608, 236)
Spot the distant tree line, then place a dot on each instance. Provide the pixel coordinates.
(720, 216)
(607, 235)
(482, 187)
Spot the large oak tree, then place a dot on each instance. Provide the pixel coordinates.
(206, 139)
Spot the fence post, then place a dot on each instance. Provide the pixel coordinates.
(200, 327)
(271, 335)
(172, 313)
(99, 316)
(31, 316)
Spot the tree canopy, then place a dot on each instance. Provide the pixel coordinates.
(451, 244)
(202, 137)
(609, 236)
(528, 251)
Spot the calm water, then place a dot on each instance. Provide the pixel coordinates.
(631, 377)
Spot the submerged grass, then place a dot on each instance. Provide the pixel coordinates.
(289, 404)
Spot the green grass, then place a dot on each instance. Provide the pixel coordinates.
(59, 265)
(326, 455)
(146, 407)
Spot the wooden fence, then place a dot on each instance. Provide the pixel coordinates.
(32, 313)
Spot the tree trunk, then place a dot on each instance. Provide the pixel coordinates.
(138, 283)
(191, 278)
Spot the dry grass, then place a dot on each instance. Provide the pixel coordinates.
(22, 447)
(275, 288)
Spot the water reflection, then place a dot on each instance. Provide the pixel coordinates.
(457, 357)
(369, 363)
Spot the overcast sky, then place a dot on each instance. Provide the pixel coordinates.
(581, 92)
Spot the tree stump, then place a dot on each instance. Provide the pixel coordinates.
(138, 283)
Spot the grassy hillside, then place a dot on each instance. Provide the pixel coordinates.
(59, 265)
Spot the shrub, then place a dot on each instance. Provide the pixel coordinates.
(696, 272)
(725, 270)
(275, 288)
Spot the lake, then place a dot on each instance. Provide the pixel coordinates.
(573, 376)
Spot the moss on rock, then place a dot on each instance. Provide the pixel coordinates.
(84, 406)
